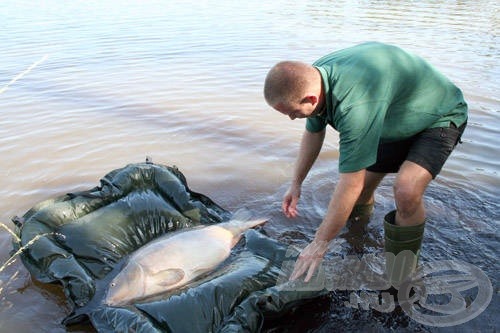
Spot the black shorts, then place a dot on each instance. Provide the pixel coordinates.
(429, 149)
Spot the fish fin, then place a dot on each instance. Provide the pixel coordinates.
(169, 276)
(201, 271)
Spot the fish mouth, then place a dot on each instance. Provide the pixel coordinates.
(113, 303)
(110, 300)
(115, 300)
(121, 290)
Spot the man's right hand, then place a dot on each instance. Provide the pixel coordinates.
(309, 149)
(290, 200)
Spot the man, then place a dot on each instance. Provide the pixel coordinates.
(394, 113)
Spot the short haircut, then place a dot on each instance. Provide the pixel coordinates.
(286, 82)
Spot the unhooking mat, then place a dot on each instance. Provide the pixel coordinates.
(82, 239)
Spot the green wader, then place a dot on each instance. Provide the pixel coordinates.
(402, 248)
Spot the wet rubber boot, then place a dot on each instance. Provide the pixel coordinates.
(359, 218)
(402, 249)
(357, 227)
(361, 212)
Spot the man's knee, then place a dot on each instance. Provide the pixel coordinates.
(407, 197)
(409, 187)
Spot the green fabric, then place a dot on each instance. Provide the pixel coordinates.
(402, 248)
(380, 93)
(82, 240)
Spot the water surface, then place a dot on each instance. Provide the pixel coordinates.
(181, 82)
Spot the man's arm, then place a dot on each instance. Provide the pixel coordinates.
(310, 147)
(344, 197)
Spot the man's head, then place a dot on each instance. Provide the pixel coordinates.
(294, 89)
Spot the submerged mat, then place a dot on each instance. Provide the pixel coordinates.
(83, 239)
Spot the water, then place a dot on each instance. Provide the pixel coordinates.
(182, 82)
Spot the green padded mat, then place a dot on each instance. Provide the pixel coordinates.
(83, 239)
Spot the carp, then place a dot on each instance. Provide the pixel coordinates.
(175, 259)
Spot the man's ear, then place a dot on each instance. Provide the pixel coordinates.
(310, 98)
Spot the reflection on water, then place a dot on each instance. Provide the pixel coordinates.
(181, 82)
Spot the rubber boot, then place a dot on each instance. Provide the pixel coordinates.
(359, 218)
(357, 228)
(402, 249)
(361, 212)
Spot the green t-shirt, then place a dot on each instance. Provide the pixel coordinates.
(380, 93)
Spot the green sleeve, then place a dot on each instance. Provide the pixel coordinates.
(316, 124)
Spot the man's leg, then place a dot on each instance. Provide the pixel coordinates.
(404, 228)
(426, 156)
(357, 223)
(364, 205)
(409, 187)
(372, 180)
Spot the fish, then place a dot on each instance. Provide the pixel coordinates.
(175, 259)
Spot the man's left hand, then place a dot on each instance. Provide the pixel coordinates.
(309, 260)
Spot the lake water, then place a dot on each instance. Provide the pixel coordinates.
(116, 81)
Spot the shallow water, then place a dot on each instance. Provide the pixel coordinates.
(181, 82)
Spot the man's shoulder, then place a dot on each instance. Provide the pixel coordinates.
(355, 51)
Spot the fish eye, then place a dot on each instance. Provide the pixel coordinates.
(113, 284)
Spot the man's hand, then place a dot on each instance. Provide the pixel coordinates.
(290, 200)
(309, 260)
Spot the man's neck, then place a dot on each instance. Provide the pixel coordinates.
(321, 107)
